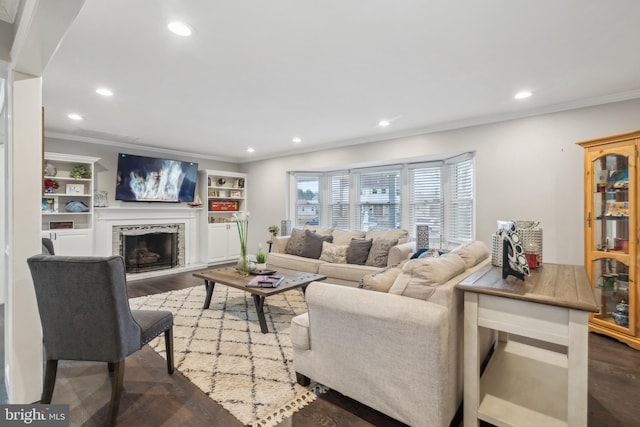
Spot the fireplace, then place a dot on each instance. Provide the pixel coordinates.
(151, 247)
(150, 251)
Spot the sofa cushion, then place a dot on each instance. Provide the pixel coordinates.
(293, 262)
(420, 277)
(379, 252)
(401, 235)
(382, 280)
(343, 237)
(341, 273)
(295, 244)
(472, 252)
(312, 247)
(358, 251)
(334, 253)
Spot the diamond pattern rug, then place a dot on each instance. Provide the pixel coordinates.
(222, 351)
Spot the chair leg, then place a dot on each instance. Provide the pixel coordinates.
(302, 379)
(116, 390)
(49, 381)
(168, 343)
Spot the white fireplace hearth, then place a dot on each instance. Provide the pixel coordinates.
(111, 224)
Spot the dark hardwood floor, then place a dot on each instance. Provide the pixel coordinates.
(153, 398)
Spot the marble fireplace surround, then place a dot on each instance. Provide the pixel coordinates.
(109, 220)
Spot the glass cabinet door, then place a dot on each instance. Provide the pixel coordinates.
(611, 204)
(612, 291)
(610, 221)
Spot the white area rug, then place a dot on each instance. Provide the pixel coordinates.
(222, 351)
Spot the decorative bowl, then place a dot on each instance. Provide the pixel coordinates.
(622, 307)
(526, 224)
(621, 319)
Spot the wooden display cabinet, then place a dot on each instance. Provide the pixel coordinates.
(611, 234)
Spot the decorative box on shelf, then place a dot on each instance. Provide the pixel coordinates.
(217, 205)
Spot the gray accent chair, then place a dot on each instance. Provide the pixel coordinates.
(85, 315)
(47, 246)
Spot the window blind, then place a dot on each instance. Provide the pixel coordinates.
(339, 206)
(459, 202)
(425, 200)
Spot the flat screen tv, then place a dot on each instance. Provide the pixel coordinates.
(150, 179)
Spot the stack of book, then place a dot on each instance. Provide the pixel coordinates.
(262, 281)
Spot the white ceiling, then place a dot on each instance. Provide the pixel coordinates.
(258, 73)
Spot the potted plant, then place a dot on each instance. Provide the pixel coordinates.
(274, 229)
(80, 171)
(261, 260)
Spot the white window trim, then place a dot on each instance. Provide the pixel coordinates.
(404, 168)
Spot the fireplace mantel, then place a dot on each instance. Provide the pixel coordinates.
(107, 218)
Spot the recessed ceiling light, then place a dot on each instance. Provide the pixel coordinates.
(384, 123)
(250, 150)
(74, 116)
(104, 91)
(297, 140)
(179, 28)
(523, 94)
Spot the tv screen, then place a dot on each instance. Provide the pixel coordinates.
(149, 179)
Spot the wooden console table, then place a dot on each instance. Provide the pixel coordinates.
(525, 385)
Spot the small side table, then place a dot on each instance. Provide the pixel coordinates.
(525, 385)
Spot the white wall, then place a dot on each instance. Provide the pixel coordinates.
(527, 168)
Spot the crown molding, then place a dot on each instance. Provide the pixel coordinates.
(136, 146)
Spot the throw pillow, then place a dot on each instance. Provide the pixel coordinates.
(312, 247)
(379, 253)
(382, 280)
(420, 277)
(343, 237)
(295, 243)
(472, 252)
(320, 230)
(358, 251)
(334, 253)
(419, 252)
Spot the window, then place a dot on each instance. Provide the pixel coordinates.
(307, 200)
(439, 194)
(378, 203)
(425, 199)
(459, 201)
(339, 207)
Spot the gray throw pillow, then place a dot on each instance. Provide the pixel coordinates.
(358, 251)
(312, 247)
(295, 243)
(379, 253)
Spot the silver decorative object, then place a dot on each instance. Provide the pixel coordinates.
(285, 227)
(422, 236)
